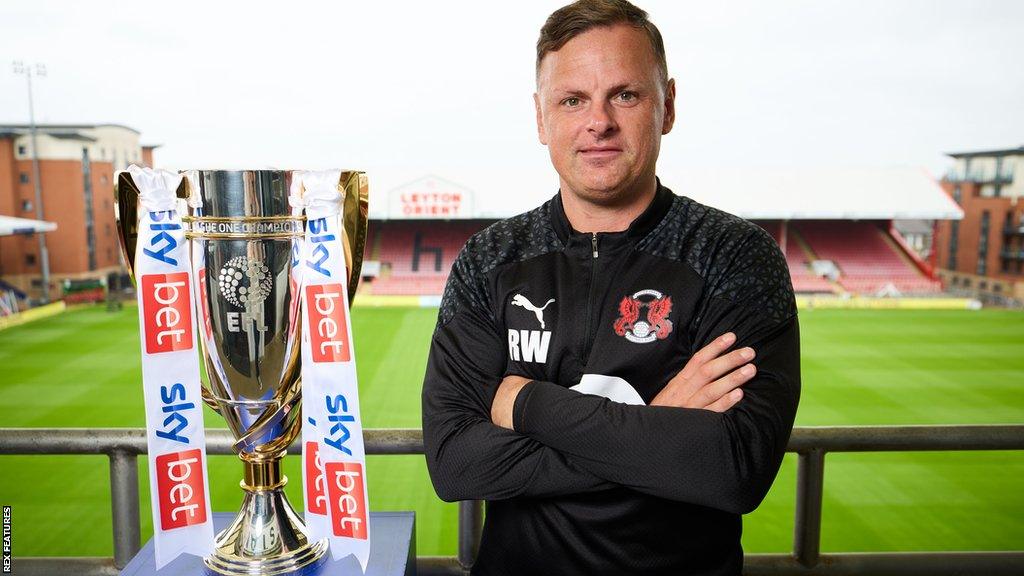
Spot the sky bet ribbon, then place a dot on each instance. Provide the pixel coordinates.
(182, 521)
(334, 461)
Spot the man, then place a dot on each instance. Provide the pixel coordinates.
(592, 373)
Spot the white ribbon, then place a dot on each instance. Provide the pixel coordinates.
(179, 491)
(157, 188)
(334, 458)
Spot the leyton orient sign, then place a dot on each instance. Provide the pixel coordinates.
(430, 197)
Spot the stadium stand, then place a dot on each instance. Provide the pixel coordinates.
(868, 260)
(832, 223)
(416, 255)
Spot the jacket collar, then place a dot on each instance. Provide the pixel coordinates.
(640, 227)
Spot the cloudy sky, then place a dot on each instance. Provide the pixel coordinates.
(435, 85)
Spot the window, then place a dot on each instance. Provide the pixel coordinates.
(26, 205)
(30, 259)
(954, 239)
(983, 244)
(22, 151)
(23, 178)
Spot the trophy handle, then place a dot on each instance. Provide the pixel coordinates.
(355, 216)
(210, 400)
(126, 215)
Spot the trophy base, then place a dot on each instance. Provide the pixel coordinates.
(267, 536)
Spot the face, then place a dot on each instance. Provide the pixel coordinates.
(601, 110)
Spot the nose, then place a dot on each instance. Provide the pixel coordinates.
(601, 122)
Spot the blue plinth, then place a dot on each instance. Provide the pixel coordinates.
(392, 551)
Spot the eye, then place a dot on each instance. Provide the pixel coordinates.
(627, 97)
(571, 101)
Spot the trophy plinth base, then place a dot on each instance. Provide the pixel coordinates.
(267, 536)
(393, 552)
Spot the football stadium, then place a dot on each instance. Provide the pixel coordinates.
(883, 345)
(137, 293)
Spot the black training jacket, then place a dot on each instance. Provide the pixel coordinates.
(593, 480)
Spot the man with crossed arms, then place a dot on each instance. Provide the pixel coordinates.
(592, 375)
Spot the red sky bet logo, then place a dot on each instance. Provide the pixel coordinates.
(347, 494)
(181, 490)
(327, 323)
(166, 311)
(315, 479)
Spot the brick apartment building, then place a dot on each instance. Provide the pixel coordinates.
(77, 163)
(984, 252)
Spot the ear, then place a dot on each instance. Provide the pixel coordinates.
(670, 107)
(541, 133)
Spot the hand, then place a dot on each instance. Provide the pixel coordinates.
(710, 380)
(505, 400)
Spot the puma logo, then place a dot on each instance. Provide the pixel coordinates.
(521, 301)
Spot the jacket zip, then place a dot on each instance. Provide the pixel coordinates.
(589, 337)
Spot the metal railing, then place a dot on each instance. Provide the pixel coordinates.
(123, 446)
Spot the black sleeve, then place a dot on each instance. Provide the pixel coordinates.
(722, 460)
(468, 457)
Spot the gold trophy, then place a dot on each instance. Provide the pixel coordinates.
(242, 233)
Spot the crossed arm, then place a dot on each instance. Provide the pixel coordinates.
(703, 439)
(468, 457)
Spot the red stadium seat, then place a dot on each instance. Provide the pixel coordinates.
(416, 256)
(867, 260)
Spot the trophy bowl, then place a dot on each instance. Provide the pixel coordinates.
(242, 232)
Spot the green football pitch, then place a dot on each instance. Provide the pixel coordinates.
(81, 369)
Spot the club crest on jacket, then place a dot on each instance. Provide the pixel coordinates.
(655, 325)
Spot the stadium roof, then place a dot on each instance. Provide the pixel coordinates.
(52, 128)
(9, 225)
(755, 194)
(1019, 151)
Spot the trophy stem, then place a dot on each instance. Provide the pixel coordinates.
(263, 475)
(267, 536)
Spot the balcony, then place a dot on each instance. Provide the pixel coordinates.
(978, 177)
(1011, 254)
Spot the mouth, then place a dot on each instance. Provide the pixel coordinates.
(599, 152)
